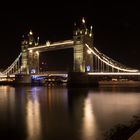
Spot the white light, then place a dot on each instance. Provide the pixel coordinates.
(88, 68)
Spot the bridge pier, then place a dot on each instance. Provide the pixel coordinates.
(81, 79)
(23, 79)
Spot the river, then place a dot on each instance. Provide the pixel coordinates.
(58, 112)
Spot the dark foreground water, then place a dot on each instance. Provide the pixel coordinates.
(52, 113)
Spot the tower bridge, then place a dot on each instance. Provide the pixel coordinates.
(87, 59)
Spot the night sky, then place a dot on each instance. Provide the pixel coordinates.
(116, 27)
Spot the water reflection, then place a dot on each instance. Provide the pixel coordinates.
(76, 101)
(40, 113)
(89, 122)
(7, 102)
(33, 116)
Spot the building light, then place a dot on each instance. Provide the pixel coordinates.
(37, 52)
(88, 51)
(30, 33)
(91, 27)
(83, 20)
(47, 43)
(31, 51)
(33, 71)
(88, 68)
(90, 35)
(30, 43)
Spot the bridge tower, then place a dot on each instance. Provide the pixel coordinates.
(30, 59)
(83, 59)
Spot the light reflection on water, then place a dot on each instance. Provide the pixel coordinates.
(40, 113)
(89, 122)
(33, 116)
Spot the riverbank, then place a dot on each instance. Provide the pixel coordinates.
(123, 132)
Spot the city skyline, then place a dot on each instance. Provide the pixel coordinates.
(116, 29)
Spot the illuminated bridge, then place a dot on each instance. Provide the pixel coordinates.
(87, 59)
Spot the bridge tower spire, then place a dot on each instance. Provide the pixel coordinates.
(83, 61)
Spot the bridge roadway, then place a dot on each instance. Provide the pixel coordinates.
(114, 73)
(65, 74)
(90, 77)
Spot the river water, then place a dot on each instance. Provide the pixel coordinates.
(58, 112)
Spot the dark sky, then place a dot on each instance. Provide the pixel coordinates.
(116, 27)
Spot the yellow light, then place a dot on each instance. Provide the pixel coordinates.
(30, 43)
(31, 33)
(47, 43)
(91, 27)
(83, 20)
(37, 52)
(88, 51)
(31, 51)
(90, 35)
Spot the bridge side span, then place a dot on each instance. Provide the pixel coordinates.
(14, 67)
(108, 62)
